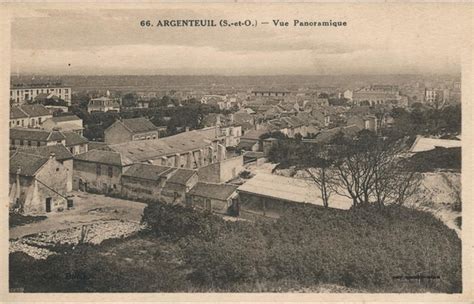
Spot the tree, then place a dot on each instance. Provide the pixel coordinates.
(311, 158)
(130, 99)
(318, 164)
(371, 170)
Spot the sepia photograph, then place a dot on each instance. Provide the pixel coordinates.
(236, 148)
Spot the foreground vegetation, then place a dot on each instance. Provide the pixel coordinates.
(15, 219)
(370, 248)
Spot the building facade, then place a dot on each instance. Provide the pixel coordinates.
(218, 198)
(20, 137)
(222, 171)
(98, 171)
(103, 104)
(38, 185)
(270, 93)
(29, 116)
(23, 93)
(376, 94)
(64, 123)
(130, 130)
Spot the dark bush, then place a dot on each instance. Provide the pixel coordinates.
(236, 256)
(438, 158)
(15, 219)
(176, 221)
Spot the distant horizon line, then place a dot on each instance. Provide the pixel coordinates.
(246, 75)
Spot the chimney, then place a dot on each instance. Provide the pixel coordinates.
(187, 129)
(52, 155)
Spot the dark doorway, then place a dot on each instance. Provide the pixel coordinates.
(48, 204)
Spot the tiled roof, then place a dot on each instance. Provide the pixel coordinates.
(254, 134)
(73, 139)
(65, 118)
(147, 171)
(214, 191)
(28, 164)
(326, 135)
(181, 176)
(104, 157)
(92, 145)
(35, 110)
(138, 125)
(35, 134)
(61, 152)
(16, 112)
(56, 136)
(143, 150)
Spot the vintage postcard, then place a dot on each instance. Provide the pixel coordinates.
(237, 152)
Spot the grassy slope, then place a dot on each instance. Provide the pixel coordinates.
(308, 249)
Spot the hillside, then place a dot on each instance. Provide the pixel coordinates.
(307, 249)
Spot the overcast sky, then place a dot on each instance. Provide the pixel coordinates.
(378, 40)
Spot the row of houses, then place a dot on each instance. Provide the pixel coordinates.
(38, 184)
(113, 168)
(37, 116)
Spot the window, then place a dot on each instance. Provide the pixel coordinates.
(98, 170)
(21, 142)
(29, 143)
(110, 171)
(38, 144)
(39, 120)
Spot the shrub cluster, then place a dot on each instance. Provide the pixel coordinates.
(176, 221)
(371, 248)
(368, 247)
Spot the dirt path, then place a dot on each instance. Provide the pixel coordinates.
(88, 209)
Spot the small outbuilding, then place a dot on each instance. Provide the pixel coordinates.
(217, 198)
